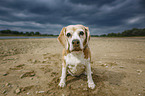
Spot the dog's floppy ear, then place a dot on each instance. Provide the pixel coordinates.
(87, 34)
(61, 37)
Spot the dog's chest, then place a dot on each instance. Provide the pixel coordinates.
(76, 62)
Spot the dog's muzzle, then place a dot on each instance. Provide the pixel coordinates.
(76, 45)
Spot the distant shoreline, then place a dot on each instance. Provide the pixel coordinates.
(43, 37)
(29, 36)
(25, 37)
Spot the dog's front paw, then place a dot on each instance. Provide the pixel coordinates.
(62, 84)
(91, 85)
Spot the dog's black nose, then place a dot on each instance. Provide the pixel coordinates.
(75, 42)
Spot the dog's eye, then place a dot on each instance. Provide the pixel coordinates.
(68, 34)
(81, 33)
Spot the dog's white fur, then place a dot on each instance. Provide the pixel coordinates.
(75, 62)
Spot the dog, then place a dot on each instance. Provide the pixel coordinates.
(76, 53)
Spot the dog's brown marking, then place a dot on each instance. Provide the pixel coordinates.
(85, 43)
(64, 53)
(61, 37)
(87, 53)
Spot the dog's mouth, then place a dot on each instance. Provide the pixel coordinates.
(77, 48)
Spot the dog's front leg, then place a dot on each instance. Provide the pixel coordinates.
(63, 75)
(89, 76)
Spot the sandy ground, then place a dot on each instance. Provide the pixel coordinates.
(32, 67)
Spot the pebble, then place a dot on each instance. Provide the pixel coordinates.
(4, 92)
(28, 93)
(85, 89)
(139, 71)
(8, 84)
(100, 61)
(34, 61)
(121, 67)
(5, 74)
(82, 84)
(31, 78)
(104, 65)
(18, 90)
(4, 59)
(39, 92)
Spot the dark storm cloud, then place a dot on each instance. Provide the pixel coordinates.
(49, 16)
(92, 2)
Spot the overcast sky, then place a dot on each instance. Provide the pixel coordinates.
(49, 16)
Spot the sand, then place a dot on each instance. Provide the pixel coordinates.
(32, 67)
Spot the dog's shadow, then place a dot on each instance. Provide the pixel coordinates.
(99, 75)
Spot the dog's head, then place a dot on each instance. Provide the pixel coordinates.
(74, 37)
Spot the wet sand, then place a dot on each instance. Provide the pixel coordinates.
(33, 67)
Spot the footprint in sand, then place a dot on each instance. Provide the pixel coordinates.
(28, 74)
(18, 67)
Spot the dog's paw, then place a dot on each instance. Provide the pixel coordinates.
(91, 85)
(62, 84)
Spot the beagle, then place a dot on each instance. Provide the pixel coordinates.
(76, 53)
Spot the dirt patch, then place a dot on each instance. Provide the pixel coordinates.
(33, 67)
